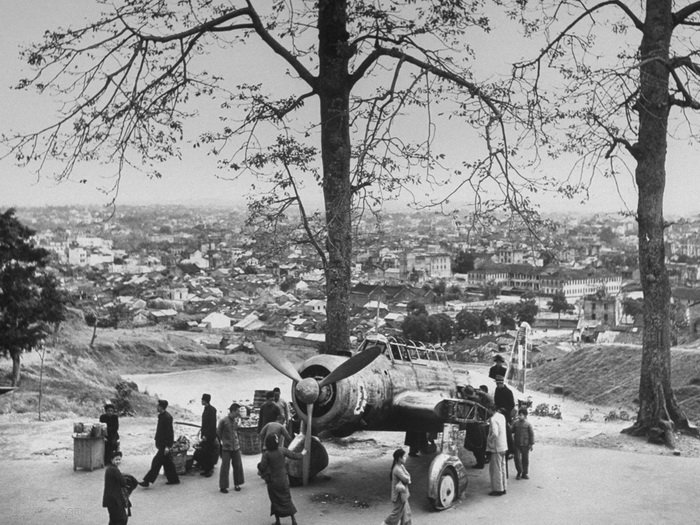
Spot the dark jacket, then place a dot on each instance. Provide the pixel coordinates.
(497, 370)
(113, 497)
(269, 411)
(503, 398)
(165, 436)
(523, 434)
(112, 422)
(209, 422)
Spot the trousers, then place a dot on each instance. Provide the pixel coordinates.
(497, 470)
(231, 458)
(161, 459)
(522, 459)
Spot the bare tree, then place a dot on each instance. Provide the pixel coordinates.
(615, 107)
(132, 79)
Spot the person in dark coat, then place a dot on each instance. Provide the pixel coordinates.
(269, 411)
(503, 398)
(115, 497)
(499, 367)
(476, 430)
(505, 402)
(273, 469)
(208, 449)
(111, 419)
(165, 437)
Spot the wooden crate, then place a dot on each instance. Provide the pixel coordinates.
(88, 452)
(249, 440)
(259, 398)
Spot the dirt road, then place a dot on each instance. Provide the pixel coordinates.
(567, 486)
(583, 471)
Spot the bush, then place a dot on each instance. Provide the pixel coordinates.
(544, 410)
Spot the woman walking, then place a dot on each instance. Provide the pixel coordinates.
(273, 469)
(400, 479)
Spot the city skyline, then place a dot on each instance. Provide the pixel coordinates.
(194, 180)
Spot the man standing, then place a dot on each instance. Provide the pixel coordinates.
(269, 411)
(111, 419)
(499, 368)
(504, 401)
(207, 445)
(282, 405)
(497, 444)
(230, 450)
(165, 436)
(503, 398)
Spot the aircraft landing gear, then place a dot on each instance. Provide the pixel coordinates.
(447, 477)
(447, 489)
(319, 459)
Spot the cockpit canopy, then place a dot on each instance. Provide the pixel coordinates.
(398, 349)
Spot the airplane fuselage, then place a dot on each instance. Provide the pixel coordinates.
(397, 391)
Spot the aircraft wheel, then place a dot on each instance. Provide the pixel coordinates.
(446, 490)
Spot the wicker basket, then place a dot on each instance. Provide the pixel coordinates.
(249, 440)
(180, 462)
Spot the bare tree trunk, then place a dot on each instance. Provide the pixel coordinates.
(94, 334)
(15, 367)
(42, 355)
(657, 403)
(334, 94)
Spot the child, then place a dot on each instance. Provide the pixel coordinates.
(111, 419)
(524, 439)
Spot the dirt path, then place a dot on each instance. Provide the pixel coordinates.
(583, 471)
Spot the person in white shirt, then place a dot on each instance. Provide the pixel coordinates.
(497, 444)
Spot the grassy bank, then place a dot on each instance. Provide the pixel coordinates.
(609, 375)
(77, 378)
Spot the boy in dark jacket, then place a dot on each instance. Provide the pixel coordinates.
(523, 441)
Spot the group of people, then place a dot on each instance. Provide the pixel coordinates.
(505, 436)
(217, 439)
(490, 442)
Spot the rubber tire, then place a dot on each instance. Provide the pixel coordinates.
(447, 490)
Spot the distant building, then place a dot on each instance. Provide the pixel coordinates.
(604, 309)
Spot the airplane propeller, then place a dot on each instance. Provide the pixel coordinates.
(308, 388)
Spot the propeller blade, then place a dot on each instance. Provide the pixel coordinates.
(277, 359)
(306, 460)
(352, 365)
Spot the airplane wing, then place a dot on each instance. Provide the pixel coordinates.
(431, 409)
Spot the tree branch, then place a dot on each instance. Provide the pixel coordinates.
(278, 48)
(681, 16)
(636, 21)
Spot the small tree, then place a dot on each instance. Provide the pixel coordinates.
(526, 310)
(30, 303)
(440, 328)
(559, 304)
(415, 327)
(489, 319)
(463, 262)
(468, 323)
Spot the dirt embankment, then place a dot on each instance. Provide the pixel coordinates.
(608, 375)
(77, 378)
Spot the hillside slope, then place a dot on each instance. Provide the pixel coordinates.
(77, 379)
(608, 374)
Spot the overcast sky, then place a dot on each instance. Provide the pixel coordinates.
(193, 180)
